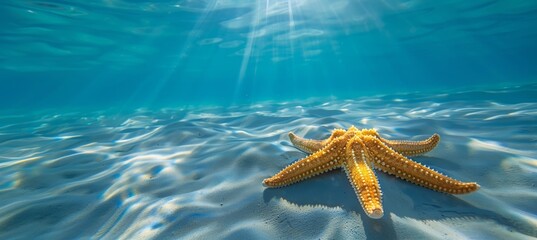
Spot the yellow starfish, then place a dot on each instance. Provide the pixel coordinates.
(358, 152)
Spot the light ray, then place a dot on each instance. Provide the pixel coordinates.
(251, 37)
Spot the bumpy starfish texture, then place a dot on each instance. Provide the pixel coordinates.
(358, 152)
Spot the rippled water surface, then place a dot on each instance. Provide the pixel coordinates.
(197, 172)
(223, 52)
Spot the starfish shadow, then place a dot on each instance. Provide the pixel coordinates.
(400, 198)
(332, 189)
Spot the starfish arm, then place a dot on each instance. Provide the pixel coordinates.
(363, 179)
(306, 145)
(396, 164)
(412, 148)
(319, 162)
(311, 145)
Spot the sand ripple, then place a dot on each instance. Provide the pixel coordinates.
(196, 173)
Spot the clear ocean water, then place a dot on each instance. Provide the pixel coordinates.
(160, 119)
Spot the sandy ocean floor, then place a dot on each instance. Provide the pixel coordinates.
(196, 173)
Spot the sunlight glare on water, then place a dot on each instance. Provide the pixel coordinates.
(225, 51)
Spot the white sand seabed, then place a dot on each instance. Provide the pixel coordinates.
(197, 173)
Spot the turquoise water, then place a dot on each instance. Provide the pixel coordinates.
(160, 119)
(222, 52)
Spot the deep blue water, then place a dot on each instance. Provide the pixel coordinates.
(160, 119)
(222, 52)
